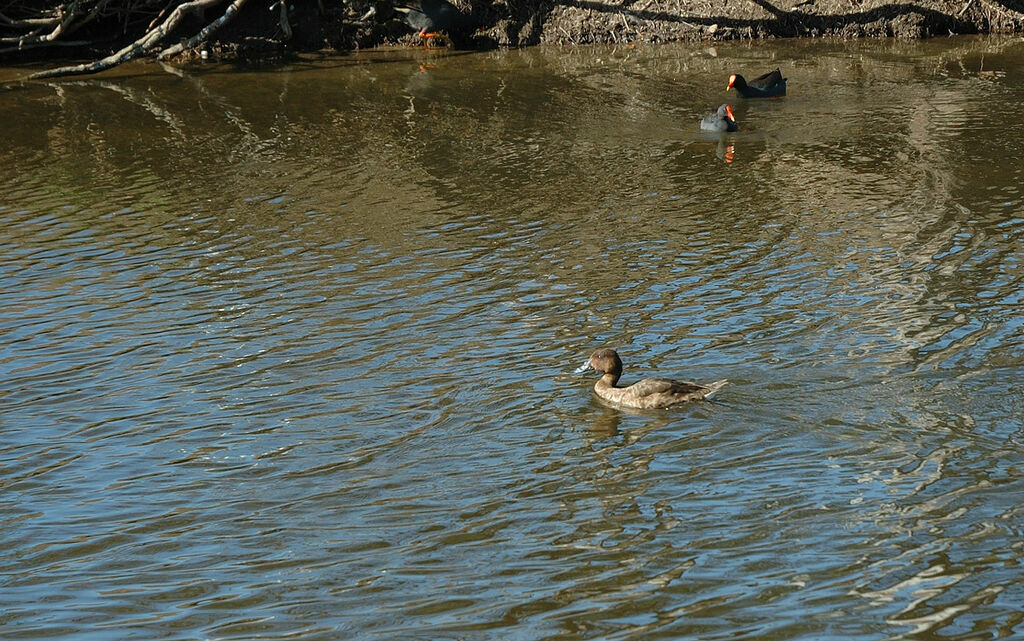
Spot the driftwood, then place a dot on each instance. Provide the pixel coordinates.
(62, 22)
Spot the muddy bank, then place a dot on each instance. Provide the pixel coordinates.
(660, 20)
(247, 30)
(519, 23)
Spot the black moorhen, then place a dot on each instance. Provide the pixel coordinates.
(721, 120)
(433, 18)
(766, 86)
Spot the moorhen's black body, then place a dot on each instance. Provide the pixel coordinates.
(721, 120)
(766, 86)
(434, 17)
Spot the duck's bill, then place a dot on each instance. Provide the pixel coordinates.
(583, 368)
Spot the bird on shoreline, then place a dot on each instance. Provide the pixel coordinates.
(433, 18)
(721, 120)
(766, 86)
(646, 394)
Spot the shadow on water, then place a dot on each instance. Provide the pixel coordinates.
(290, 352)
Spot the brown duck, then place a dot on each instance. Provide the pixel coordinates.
(645, 394)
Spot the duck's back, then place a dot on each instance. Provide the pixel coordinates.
(657, 392)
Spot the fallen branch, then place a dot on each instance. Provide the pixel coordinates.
(137, 48)
(202, 35)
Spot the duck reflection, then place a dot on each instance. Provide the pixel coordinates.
(606, 424)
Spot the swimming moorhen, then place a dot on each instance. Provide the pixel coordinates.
(433, 18)
(721, 120)
(766, 86)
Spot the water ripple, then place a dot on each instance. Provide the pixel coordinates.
(306, 371)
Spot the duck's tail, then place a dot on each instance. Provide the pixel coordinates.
(714, 387)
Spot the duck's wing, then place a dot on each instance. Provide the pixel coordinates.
(768, 80)
(656, 392)
(652, 386)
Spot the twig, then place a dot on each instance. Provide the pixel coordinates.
(160, 16)
(29, 22)
(286, 28)
(59, 43)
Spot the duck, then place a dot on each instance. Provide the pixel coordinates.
(650, 393)
(433, 18)
(766, 86)
(721, 120)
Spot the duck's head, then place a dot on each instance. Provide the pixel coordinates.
(725, 111)
(736, 80)
(605, 361)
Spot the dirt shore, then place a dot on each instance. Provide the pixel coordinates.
(526, 22)
(303, 26)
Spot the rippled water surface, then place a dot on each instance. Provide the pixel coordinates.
(288, 352)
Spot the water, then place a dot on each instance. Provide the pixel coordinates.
(288, 353)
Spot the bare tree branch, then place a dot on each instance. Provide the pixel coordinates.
(29, 22)
(33, 45)
(202, 35)
(135, 49)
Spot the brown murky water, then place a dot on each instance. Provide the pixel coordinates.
(288, 353)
